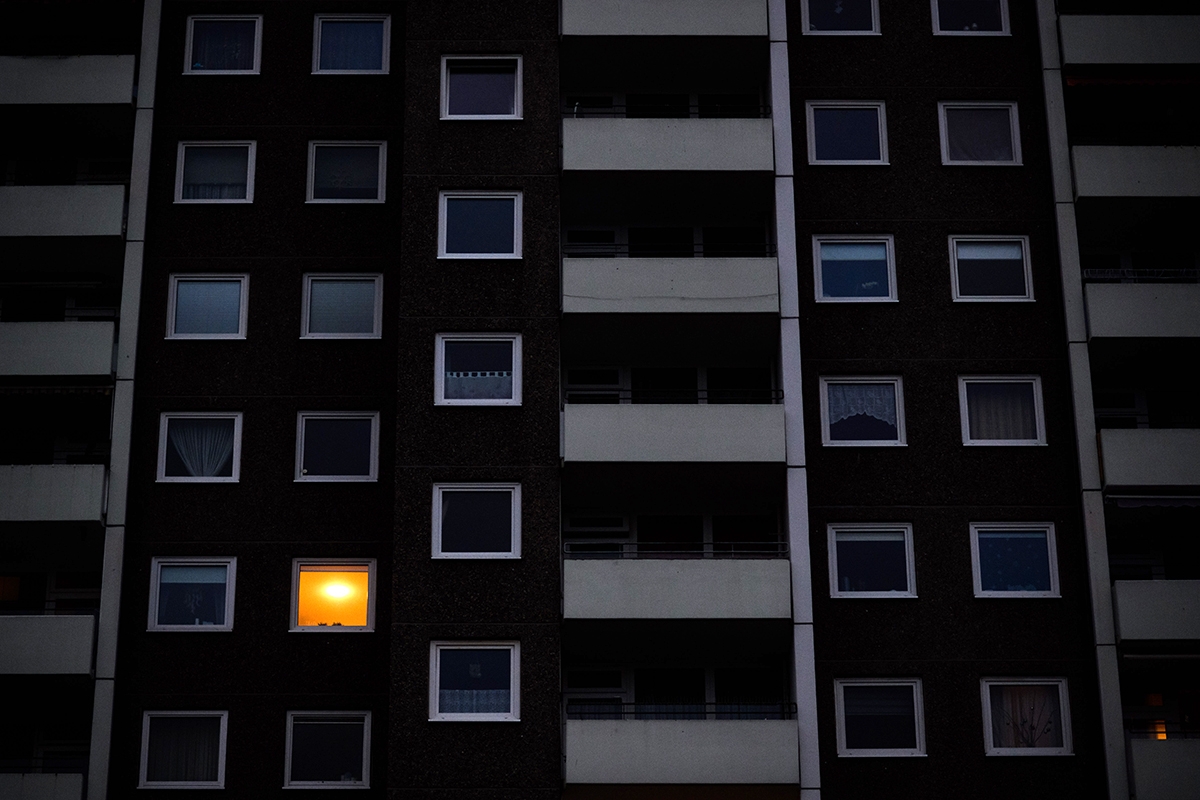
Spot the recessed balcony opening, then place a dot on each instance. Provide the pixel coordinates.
(1132, 105)
(1138, 383)
(1159, 697)
(55, 423)
(68, 145)
(1133, 240)
(73, 26)
(47, 725)
(1152, 539)
(53, 569)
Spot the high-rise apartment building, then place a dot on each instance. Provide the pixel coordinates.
(599, 399)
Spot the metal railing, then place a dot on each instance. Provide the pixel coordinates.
(604, 709)
(1122, 275)
(608, 548)
(605, 396)
(748, 249)
(1160, 729)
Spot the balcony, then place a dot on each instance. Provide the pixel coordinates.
(1130, 39)
(1165, 770)
(1157, 610)
(85, 80)
(1150, 458)
(670, 285)
(41, 786)
(693, 433)
(47, 645)
(1143, 309)
(664, 18)
(1114, 171)
(56, 348)
(62, 210)
(711, 145)
(51, 492)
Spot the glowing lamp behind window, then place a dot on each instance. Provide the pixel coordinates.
(333, 596)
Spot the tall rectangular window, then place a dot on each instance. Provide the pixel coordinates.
(990, 268)
(862, 411)
(1026, 717)
(1001, 410)
(980, 134)
(223, 45)
(477, 520)
(199, 447)
(854, 269)
(970, 17)
(1015, 559)
(846, 132)
(342, 306)
(191, 594)
(477, 369)
(474, 681)
(479, 224)
(183, 750)
(840, 17)
(879, 717)
(346, 172)
(481, 87)
(328, 749)
(869, 560)
(333, 595)
(337, 446)
(351, 44)
(215, 172)
(207, 307)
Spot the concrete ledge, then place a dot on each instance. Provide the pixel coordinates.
(670, 285)
(1167, 610)
(1130, 39)
(41, 786)
(1150, 457)
(45, 645)
(664, 17)
(84, 80)
(668, 144)
(56, 348)
(1126, 171)
(51, 492)
(1143, 309)
(1167, 770)
(62, 210)
(673, 433)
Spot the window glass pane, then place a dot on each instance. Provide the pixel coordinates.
(872, 561)
(484, 87)
(328, 749)
(991, 269)
(1014, 561)
(332, 596)
(214, 173)
(476, 521)
(474, 681)
(191, 595)
(846, 134)
(478, 370)
(1001, 411)
(979, 134)
(346, 172)
(969, 15)
(223, 44)
(880, 717)
(862, 412)
(184, 749)
(854, 269)
(351, 44)
(480, 225)
(341, 306)
(1025, 716)
(337, 447)
(210, 307)
(199, 448)
(839, 15)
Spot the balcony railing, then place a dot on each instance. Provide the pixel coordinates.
(605, 709)
(1160, 730)
(612, 397)
(1142, 275)
(607, 548)
(749, 249)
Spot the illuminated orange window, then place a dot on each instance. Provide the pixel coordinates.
(334, 595)
(1160, 729)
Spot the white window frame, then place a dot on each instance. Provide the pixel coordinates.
(515, 195)
(235, 475)
(514, 649)
(439, 368)
(297, 563)
(880, 117)
(381, 171)
(156, 565)
(187, 52)
(444, 102)
(896, 380)
(181, 154)
(386, 19)
(868, 527)
(306, 716)
(1014, 127)
(918, 717)
(1038, 410)
(305, 309)
(804, 14)
(303, 416)
(886, 239)
(1004, 28)
(514, 492)
(1051, 553)
(959, 297)
(219, 783)
(216, 277)
(1064, 711)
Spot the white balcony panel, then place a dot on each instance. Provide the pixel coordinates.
(41, 786)
(56, 348)
(1150, 457)
(667, 144)
(51, 492)
(46, 645)
(682, 751)
(1157, 609)
(1143, 309)
(66, 79)
(61, 210)
(652, 588)
(673, 433)
(670, 285)
(1165, 770)
(1126, 171)
(1130, 39)
(664, 17)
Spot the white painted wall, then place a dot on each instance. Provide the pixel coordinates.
(1150, 457)
(1143, 309)
(46, 645)
(1131, 39)
(664, 17)
(673, 433)
(61, 210)
(670, 285)
(1126, 171)
(56, 348)
(91, 80)
(48, 786)
(65, 492)
(667, 144)
(1157, 610)
(1167, 770)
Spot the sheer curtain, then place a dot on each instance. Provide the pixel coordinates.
(1025, 716)
(474, 701)
(876, 400)
(184, 749)
(215, 173)
(205, 446)
(1001, 411)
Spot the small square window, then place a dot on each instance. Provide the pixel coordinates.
(1026, 717)
(985, 268)
(342, 306)
(481, 87)
(337, 446)
(199, 447)
(984, 134)
(328, 750)
(1001, 410)
(970, 17)
(862, 411)
(223, 45)
(846, 132)
(346, 172)
(183, 750)
(207, 307)
(191, 594)
(215, 172)
(840, 17)
(479, 225)
(475, 681)
(879, 717)
(868, 560)
(477, 369)
(333, 595)
(477, 520)
(854, 269)
(1014, 559)
(351, 44)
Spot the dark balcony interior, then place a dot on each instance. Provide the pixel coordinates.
(1126, 7)
(54, 424)
(71, 27)
(1160, 697)
(1138, 240)
(679, 535)
(50, 568)
(45, 723)
(1144, 383)
(1132, 105)
(63, 145)
(1153, 542)
(60, 279)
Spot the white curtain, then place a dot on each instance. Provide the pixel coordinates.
(876, 400)
(1001, 411)
(183, 749)
(474, 701)
(479, 385)
(203, 445)
(1025, 716)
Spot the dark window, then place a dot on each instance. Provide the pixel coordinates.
(661, 243)
(215, 172)
(982, 134)
(745, 241)
(479, 370)
(663, 384)
(880, 717)
(1014, 561)
(223, 45)
(480, 226)
(192, 594)
(970, 16)
(474, 681)
(476, 521)
(739, 385)
(346, 172)
(840, 15)
(657, 105)
(871, 561)
(208, 307)
(341, 307)
(669, 693)
(846, 134)
(327, 749)
(183, 749)
(337, 447)
(854, 269)
(670, 535)
(991, 269)
(751, 693)
(485, 87)
(351, 45)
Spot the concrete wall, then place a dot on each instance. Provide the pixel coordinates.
(46, 645)
(673, 433)
(667, 144)
(676, 589)
(1167, 770)
(61, 210)
(56, 348)
(49, 786)
(1150, 457)
(1157, 609)
(682, 751)
(66, 79)
(664, 18)
(1141, 39)
(670, 285)
(46, 492)
(1143, 309)
(1111, 171)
